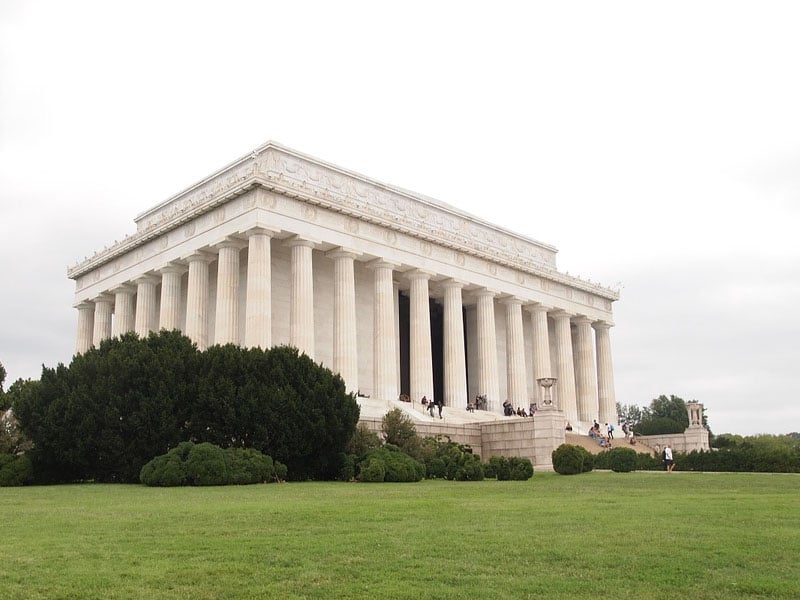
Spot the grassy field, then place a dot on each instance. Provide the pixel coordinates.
(638, 535)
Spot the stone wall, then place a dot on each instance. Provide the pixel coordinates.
(694, 438)
(534, 439)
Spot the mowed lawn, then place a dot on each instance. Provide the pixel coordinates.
(597, 535)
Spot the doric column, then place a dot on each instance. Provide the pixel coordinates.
(420, 353)
(586, 379)
(123, 310)
(170, 315)
(301, 313)
(145, 320)
(85, 327)
(226, 326)
(488, 380)
(565, 386)
(384, 366)
(605, 373)
(103, 309)
(345, 350)
(515, 354)
(541, 347)
(258, 304)
(455, 366)
(197, 298)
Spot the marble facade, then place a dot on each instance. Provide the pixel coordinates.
(399, 293)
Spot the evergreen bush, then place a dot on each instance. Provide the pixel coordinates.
(15, 470)
(622, 460)
(571, 460)
(206, 464)
(372, 471)
(397, 465)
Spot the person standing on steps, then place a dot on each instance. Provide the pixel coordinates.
(439, 404)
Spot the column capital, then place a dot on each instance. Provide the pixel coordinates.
(230, 242)
(199, 256)
(484, 293)
(511, 300)
(581, 320)
(85, 305)
(536, 307)
(452, 284)
(342, 252)
(418, 274)
(296, 240)
(103, 297)
(380, 263)
(172, 267)
(560, 313)
(261, 230)
(125, 288)
(146, 278)
(605, 325)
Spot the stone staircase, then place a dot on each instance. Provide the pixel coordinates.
(577, 439)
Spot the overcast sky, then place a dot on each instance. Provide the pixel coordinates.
(656, 145)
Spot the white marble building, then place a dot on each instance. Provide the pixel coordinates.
(396, 291)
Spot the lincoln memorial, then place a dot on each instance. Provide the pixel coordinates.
(399, 293)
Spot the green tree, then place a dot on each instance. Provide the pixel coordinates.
(630, 414)
(111, 410)
(398, 429)
(278, 402)
(666, 414)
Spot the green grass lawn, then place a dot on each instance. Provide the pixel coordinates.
(637, 535)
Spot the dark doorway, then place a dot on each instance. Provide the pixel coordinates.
(437, 346)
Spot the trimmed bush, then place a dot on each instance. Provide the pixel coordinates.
(448, 460)
(508, 468)
(397, 466)
(521, 468)
(15, 470)
(571, 460)
(372, 471)
(622, 460)
(206, 464)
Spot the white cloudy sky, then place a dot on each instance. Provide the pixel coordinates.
(657, 145)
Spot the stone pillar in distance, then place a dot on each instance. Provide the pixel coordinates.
(345, 348)
(455, 367)
(488, 379)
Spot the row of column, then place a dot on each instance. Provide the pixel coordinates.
(584, 391)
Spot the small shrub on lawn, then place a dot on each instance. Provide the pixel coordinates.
(372, 471)
(445, 459)
(622, 460)
(571, 460)
(507, 468)
(397, 465)
(206, 464)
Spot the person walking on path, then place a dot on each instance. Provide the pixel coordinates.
(668, 458)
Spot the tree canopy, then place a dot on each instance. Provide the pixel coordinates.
(666, 414)
(116, 407)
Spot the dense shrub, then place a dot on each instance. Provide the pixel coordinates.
(571, 460)
(397, 465)
(117, 406)
(15, 470)
(398, 429)
(206, 464)
(642, 461)
(445, 459)
(660, 425)
(372, 470)
(508, 468)
(621, 460)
